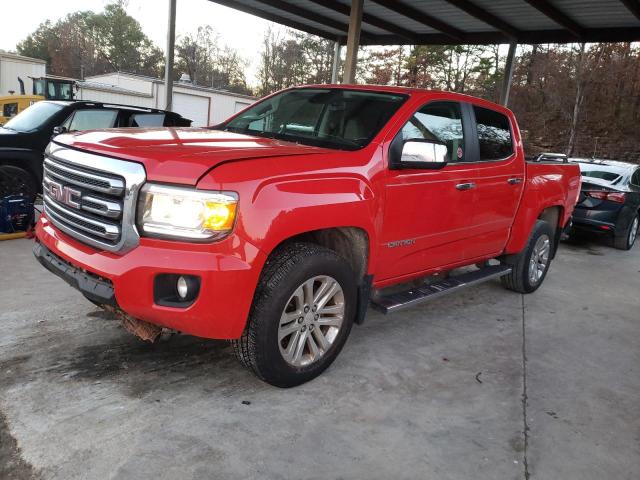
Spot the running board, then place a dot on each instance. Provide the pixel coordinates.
(414, 296)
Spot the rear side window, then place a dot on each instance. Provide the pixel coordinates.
(147, 120)
(440, 122)
(92, 119)
(635, 179)
(494, 134)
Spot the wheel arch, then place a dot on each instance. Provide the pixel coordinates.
(351, 243)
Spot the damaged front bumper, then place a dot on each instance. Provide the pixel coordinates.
(98, 290)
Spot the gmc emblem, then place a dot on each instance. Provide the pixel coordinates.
(63, 194)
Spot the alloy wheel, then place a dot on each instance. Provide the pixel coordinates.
(633, 233)
(311, 321)
(539, 259)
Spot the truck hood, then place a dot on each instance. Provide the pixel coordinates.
(181, 155)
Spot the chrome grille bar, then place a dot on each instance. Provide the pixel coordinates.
(86, 224)
(101, 206)
(92, 198)
(67, 174)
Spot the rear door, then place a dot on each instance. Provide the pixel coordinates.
(428, 212)
(499, 179)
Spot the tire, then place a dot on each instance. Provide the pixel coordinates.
(279, 308)
(17, 181)
(627, 239)
(522, 279)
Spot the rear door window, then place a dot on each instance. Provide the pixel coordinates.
(147, 120)
(92, 119)
(494, 134)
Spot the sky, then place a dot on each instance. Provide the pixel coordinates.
(238, 30)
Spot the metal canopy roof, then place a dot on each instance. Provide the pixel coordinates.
(437, 22)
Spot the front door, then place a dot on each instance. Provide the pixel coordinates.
(428, 212)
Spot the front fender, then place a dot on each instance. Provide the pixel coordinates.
(276, 208)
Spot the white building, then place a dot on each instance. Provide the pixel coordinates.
(13, 66)
(205, 106)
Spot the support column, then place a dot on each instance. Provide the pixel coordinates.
(353, 42)
(508, 74)
(337, 49)
(168, 56)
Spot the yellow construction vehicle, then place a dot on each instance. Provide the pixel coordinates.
(49, 87)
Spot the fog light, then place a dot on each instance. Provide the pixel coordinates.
(175, 290)
(183, 288)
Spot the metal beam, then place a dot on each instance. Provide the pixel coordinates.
(168, 56)
(236, 5)
(304, 13)
(337, 49)
(368, 19)
(353, 41)
(481, 14)
(625, 34)
(557, 16)
(633, 6)
(508, 74)
(421, 17)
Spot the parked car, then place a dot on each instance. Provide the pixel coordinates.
(609, 201)
(277, 228)
(24, 137)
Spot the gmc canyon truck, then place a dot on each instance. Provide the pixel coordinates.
(279, 227)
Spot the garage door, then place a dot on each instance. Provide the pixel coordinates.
(193, 107)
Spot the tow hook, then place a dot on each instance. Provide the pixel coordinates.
(143, 330)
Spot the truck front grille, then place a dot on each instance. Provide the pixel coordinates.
(92, 198)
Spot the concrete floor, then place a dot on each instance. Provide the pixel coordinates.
(435, 392)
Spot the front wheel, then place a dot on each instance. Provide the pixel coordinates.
(301, 315)
(17, 181)
(530, 266)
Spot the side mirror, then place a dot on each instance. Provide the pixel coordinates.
(422, 154)
(59, 130)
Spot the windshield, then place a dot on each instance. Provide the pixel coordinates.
(33, 117)
(332, 118)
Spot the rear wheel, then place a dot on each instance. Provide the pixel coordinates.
(301, 315)
(626, 240)
(530, 266)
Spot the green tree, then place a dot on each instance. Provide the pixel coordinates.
(94, 43)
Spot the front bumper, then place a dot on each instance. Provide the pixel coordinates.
(229, 272)
(93, 287)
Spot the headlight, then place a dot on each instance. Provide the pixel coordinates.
(185, 213)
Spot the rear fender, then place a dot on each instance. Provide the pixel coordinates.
(547, 186)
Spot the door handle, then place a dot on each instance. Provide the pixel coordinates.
(466, 186)
(514, 181)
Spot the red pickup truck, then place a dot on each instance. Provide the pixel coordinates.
(279, 227)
